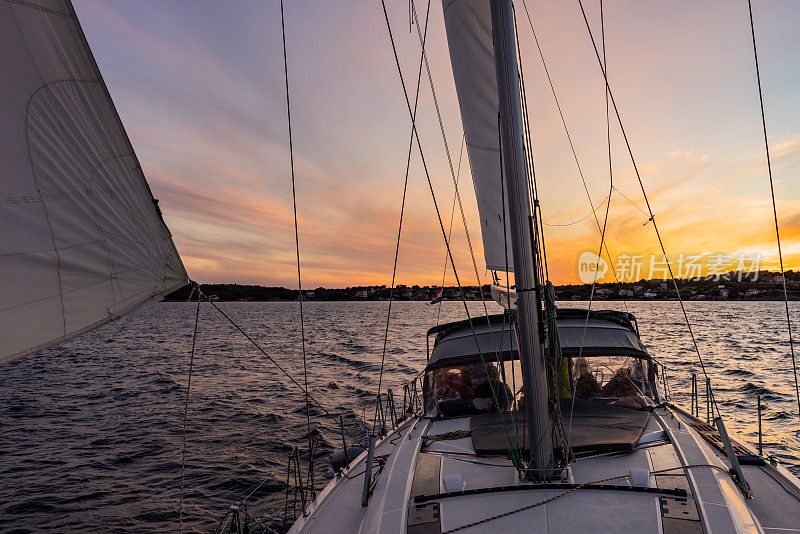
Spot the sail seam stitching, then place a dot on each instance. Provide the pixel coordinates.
(40, 8)
(19, 200)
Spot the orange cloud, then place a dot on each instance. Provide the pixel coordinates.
(206, 112)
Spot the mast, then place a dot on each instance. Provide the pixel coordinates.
(531, 346)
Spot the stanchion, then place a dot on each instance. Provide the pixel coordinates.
(760, 443)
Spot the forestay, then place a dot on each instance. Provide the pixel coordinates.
(83, 239)
(469, 37)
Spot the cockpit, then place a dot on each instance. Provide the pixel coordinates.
(470, 389)
(475, 369)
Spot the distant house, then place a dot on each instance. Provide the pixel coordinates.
(649, 295)
(603, 291)
(724, 293)
(213, 298)
(309, 294)
(625, 293)
(752, 292)
(361, 294)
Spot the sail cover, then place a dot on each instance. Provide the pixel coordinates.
(83, 240)
(469, 37)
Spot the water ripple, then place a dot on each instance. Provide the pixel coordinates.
(91, 431)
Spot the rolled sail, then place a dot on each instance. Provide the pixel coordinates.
(469, 37)
(83, 241)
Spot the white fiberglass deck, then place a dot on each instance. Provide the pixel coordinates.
(418, 490)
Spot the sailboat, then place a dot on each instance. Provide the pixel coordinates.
(586, 443)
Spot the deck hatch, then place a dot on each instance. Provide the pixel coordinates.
(664, 457)
(679, 509)
(426, 475)
(679, 516)
(424, 519)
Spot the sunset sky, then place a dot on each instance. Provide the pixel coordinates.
(199, 86)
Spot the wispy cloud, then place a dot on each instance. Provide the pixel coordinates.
(201, 93)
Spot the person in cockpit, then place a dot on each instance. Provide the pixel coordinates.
(484, 384)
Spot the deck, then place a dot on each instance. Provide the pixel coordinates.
(665, 484)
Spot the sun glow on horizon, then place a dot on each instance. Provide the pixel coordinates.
(201, 95)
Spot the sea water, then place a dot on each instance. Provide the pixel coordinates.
(91, 431)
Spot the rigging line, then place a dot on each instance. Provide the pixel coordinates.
(774, 208)
(563, 120)
(608, 141)
(578, 221)
(569, 139)
(608, 205)
(186, 405)
(529, 506)
(460, 205)
(574, 489)
(631, 202)
(646, 200)
(269, 476)
(266, 529)
(461, 209)
(436, 208)
(450, 229)
(529, 160)
(296, 236)
(498, 346)
(537, 233)
(223, 522)
(508, 276)
(279, 366)
(453, 174)
(402, 211)
(537, 230)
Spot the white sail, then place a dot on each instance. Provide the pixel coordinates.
(469, 36)
(83, 240)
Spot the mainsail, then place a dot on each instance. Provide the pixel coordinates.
(469, 36)
(83, 241)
